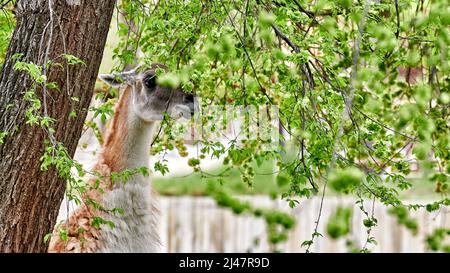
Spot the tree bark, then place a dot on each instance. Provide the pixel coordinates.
(30, 198)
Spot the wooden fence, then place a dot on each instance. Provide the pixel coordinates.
(196, 224)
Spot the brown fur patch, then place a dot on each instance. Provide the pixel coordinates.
(81, 235)
(116, 134)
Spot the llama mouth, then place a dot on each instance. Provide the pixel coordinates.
(194, 106)
(185, 111)
(189, 109)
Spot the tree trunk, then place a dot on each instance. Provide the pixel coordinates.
(30, 198)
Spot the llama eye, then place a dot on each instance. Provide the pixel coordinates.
(150, 81)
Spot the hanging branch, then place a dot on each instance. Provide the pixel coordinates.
(397, 32)
(346, 112)
(5, 4)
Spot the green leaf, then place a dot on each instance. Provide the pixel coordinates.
(169, 80)
(47, 237)
(345, 180)
(73, 60)
(339, 223)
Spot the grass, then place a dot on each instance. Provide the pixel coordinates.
(264, 183)
(194, 184)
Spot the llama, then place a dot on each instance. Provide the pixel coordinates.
(142, 104)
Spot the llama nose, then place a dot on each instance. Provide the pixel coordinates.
(189, 98)
(191, 101)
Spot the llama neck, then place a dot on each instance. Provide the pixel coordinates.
(126, 147)
(127, 140)
(130, 149)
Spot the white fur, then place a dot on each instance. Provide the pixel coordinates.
(136, 230)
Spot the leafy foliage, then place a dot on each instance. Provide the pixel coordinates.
(362, 89)
(300, 56)
(339, 223)
(7, 24)
(435, 241)
(278, 223)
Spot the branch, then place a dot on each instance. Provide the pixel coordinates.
(345, 112)
(397, 32)
(285, 38)
(263, 90)
(308, 13)
(5, 4)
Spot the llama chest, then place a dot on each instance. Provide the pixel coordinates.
(135, 229)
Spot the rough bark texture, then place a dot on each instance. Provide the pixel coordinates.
(30, 198)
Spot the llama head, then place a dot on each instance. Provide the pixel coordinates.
(150, 101)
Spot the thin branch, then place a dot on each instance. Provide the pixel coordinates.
(308, 13)
(384, 126)
(262, 89)
(5, 4)
(345, 112)
(397, 32)
(285, 38)
(47, 53)
(196, 29)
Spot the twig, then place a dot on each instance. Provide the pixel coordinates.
(308, 13)
(384, 126)
(285, 38)
(262, 89)
(369, 230)
(397, 32)
(5, 4)
(345, 112)
(47, 52)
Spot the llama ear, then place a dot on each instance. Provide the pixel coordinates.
(114, 80)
